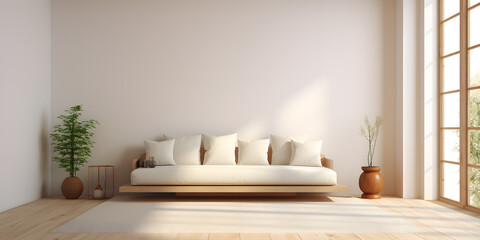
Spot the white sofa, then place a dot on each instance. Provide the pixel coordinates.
(272, 179)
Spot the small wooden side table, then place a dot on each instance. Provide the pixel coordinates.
(98, 173)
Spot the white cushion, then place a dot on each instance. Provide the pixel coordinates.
(219, 150)
(253, 153)
(186, 150)
(233, 175)
(306, 154)
(162, 152)
(282, 150)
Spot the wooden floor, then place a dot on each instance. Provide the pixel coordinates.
(37, 219)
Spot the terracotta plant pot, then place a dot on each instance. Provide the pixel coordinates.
(371, 182)
(72, 187)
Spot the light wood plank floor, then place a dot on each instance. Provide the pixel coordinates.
(37, 219)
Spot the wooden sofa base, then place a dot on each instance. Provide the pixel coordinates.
(244, 194)
(233, 189)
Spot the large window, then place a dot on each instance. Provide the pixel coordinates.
(459, 97)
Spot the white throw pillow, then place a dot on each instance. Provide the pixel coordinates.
(186, 150)
(162, 152)
(253, 153)
(219, 150)
(306, 154)
(282, 150)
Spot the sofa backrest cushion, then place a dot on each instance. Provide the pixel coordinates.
(186, 150)
(282, 150)
(160, 152)
(253, 153)
(306, 153)
(220, 150)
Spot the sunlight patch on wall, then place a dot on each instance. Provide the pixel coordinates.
(304, 110)
(301, 111)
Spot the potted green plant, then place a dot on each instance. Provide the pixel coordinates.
(72, 141)
(371, 180)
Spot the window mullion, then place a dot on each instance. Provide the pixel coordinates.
(439, 99)
(464, 102)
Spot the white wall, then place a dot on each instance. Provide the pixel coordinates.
(409, 98)
(430, 102)
(416, 91)
(143, 68)
(25, 81)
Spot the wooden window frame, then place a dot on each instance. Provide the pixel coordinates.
(464, 103)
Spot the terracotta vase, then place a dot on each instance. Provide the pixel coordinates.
(72, 187)
(371, 182)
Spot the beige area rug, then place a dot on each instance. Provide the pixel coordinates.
(150, 215)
